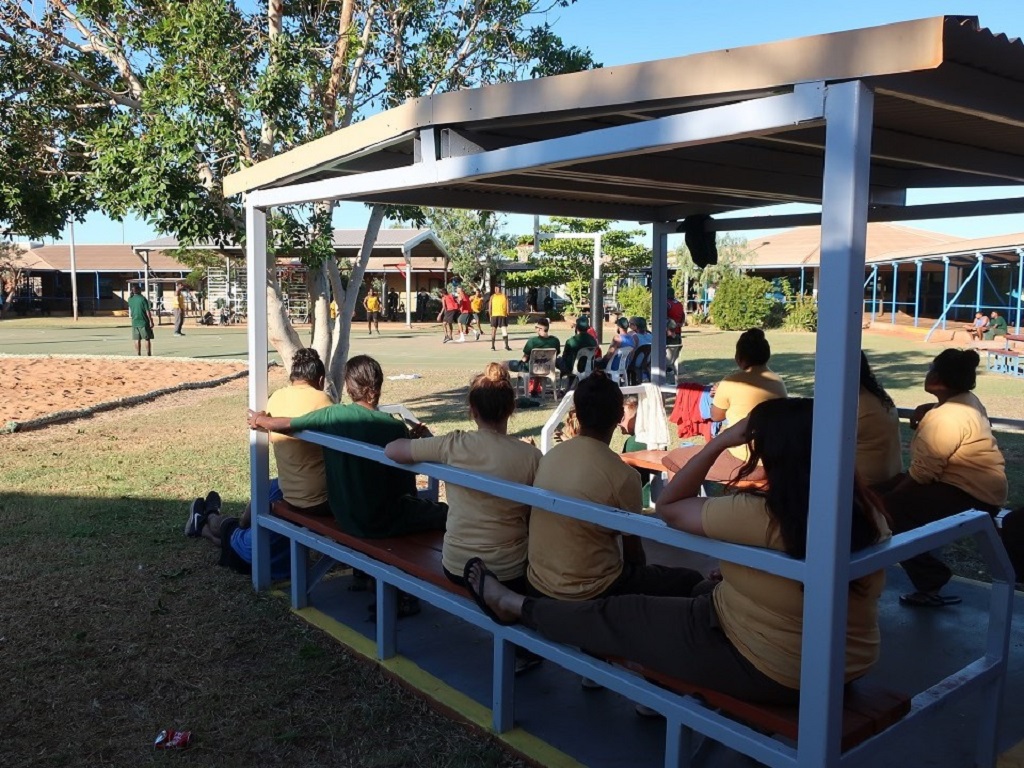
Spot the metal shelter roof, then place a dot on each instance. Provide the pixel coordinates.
(949, 106)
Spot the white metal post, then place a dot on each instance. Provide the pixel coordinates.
(259, 443)
(659, 290)
(408, 288)
(597, 293)
(74, 273)
(848, 116)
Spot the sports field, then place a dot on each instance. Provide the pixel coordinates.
(117, 626)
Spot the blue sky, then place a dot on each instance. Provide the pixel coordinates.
(642, 30)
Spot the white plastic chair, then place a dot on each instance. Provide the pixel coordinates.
(618, 366)
(542, 366)
(584, 365)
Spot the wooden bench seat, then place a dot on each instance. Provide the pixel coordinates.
(868, 708)
(418, 554)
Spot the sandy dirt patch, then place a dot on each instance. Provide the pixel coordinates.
(39, 386)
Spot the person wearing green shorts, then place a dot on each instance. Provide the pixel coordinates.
(142, 321)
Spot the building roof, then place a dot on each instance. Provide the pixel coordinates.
(801, 247)
(387, 239)
(98, 258)
(948, 112)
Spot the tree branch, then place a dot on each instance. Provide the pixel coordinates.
(115, 57)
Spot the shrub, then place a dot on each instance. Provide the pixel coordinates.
(635, 301)
(742, 302)
(802, 314)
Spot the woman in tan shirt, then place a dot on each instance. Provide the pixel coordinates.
(741, 636)
(879, 454)
(955, 465)
(734, 397)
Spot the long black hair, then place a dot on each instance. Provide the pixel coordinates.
(779, 436)
(870, 383)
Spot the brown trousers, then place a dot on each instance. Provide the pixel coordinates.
(677, 636)
(919, 505)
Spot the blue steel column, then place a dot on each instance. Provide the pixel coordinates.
(917, 293)
(981, 277)
(945, 288)
(848, 116)
(874, 291)
(895, 269)
(659, 289)
(259, 443)
(1020, 283)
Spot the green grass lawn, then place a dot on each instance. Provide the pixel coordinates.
(116, 626)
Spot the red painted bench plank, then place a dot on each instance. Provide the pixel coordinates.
(868, 708)
(418, 554)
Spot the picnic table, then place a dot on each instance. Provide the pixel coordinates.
(1006, 360)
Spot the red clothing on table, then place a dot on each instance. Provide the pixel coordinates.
(686, 412)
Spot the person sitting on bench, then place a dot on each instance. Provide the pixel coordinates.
(743, 637)
(734, 397)
(996, 326)
(978, 328)
(571, 559)
(368, 499)
(301, 481)
(479, 524)
(955, 465)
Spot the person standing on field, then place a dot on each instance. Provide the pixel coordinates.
(372, 306)
(142, 321)
(497, 311)
(179, 308)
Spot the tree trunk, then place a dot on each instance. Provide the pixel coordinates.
(343, 326)
(316, 280)
(281, 333)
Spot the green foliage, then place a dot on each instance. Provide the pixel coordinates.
(473, 239)
(635, 301)
(801, 314)
(542, 276)
(578, 291)
(169, 98)
(733, 253)
(742, 302)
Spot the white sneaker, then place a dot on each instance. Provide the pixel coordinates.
(462, 338)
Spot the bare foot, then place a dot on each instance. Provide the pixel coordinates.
(505, 605)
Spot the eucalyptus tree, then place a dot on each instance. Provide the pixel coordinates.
(142, 107)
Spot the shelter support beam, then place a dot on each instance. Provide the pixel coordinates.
(805, 105)
(881, 213)
(259, 442)
(408, 288)
(895, 275)
(848, 114)
(917, 292)
(1020, 284)
(981, 283)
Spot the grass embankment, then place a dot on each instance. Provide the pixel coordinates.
(117, 626)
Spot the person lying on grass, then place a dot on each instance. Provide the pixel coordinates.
(741, 636)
